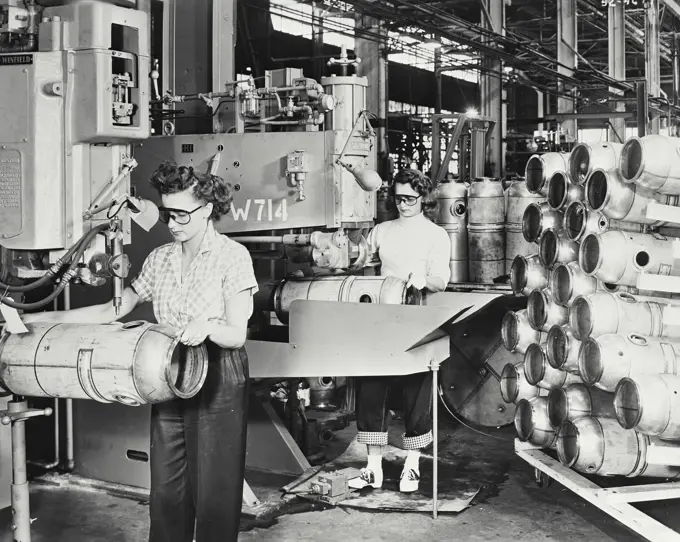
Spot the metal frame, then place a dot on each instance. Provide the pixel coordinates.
(615, 502)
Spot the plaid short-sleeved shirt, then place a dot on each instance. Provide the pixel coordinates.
(221, 269)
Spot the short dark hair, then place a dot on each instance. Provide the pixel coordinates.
(421, 184)
(169, 178)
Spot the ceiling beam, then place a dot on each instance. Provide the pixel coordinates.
(673, 6)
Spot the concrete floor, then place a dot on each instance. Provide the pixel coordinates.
(509, 507)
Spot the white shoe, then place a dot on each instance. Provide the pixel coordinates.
(368, 477)
(408, 483)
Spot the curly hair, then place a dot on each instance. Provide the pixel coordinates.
(169, 178)
(423, 185)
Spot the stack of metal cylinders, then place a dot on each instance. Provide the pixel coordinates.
(600, 380)
(486, 230)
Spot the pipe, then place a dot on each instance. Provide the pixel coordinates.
(601, 446)
(562, 349)
(537, 218)
(528, 274)
(585, 158)
(539, 372)
(617, 257)
(578, 401)
(555, 247)
(540, 168)
(562, 191)
(579, 222)
(568, 281)
(69, 463)
(517, 333)
(532, 423)
(133, 364)
(606, 360)
(543, 312)
(603, 312)
(287, 239)
(514, 385)
(650, 404)
(607, 193)
(652, 162)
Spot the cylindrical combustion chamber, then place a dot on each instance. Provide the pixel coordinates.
(528, 274)
(555, 247)
(543, 312)
(603, 312)
(134, 363)
(617, 257)
(348, 289)
(585, 158)
(517, 333)
(601, 446)
(539, 217)
(579, 401)
(539, 372)
(650, 404)
(561, 191)
(606, 360)
(514, 385)
(562, 349)
(532, 423)
(652, 162)
(579, 222)
(609, 194)
(540, 168)
(568, 281)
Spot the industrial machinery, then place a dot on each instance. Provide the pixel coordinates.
(80, 92)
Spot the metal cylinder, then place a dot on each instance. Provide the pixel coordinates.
(133, 364)
(486, 253)
(517, 333)
(562, 349)
(528, 274)
(539, 372)
(603, 312)
(586, 157)
(601, 446)
(532, 423)
(539, 217)
(486, 231)
(516, 245)
(322, 392)
(650, 404)
(617, 257)
(555, 247)
(540, 168)
(568, 281)
(350, 99)
(514, 385)
(519, 198)
(351, 289)
(561, 191)
(578, 401)
(652, 162)
(452, 216)
(606, 360)
(607, 193)
(543, 312)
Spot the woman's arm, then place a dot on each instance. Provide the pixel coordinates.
(231, 333)
(96, 314)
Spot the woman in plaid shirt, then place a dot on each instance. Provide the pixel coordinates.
(197, 445)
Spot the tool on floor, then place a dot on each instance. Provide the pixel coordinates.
(330, 487)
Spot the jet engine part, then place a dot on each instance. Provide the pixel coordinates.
(133, 364)
(514, 385)
(562, 191)
(567, 281)
(578, 401)
(555, 247)
(528, 274)
(562, 349)
(540, 373)
(652, 162)
(585, 158)
(540, 168)
(543, 312)
(517, 333)
(532, 422)
(539, 217)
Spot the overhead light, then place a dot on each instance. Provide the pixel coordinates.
(472, 112)
(432, 44)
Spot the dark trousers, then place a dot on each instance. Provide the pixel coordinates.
(198, 450)
(371, 403)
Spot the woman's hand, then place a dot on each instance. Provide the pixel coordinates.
(194, 334)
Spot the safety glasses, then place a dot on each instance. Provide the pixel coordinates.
(180, 216)
(408, 200)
